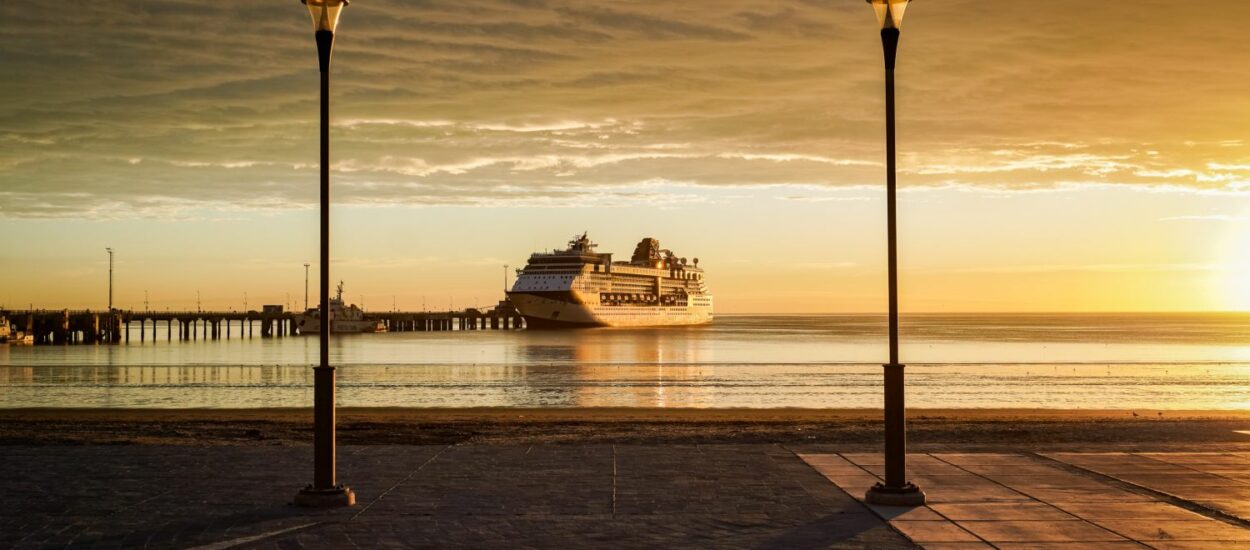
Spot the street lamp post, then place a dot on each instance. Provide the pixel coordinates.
(896, 490)
(306, 264)
(110, 250)
(325, 490)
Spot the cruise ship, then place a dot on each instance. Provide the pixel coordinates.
(579, 287)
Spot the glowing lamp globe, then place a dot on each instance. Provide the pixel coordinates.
(325, 13)
(890, 12)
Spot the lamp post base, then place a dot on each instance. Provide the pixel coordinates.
(907, 495)
(335, 497)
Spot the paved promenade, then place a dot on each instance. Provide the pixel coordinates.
(479, 496)
(1063, 500)
(623, 496)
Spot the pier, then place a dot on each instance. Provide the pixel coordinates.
(46, 327)
(501, 317)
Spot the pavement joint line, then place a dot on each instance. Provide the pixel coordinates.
(97, 520)
(857, 465)
(1190, 468)
(1200, 509)
(1035, 456)
(613, 480)
(398, 483)
(859, 500)
(996, 482)
(232, 543)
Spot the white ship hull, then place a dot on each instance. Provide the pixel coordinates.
(579, 287)
(344, 318)
(543, 312)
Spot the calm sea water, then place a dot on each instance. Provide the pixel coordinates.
(1138, 361)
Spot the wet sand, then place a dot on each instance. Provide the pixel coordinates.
(850, 429)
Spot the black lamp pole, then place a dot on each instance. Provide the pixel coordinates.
(896, 490)
(325, 490)
(323, 397)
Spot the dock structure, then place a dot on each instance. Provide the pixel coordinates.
(104, 327)
(120, 326)
(500, 317)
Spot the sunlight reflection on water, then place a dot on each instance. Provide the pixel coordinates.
(1111, 361)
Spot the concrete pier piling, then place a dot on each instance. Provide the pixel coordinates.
(95, 327)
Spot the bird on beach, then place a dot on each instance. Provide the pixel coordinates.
(1134, 414)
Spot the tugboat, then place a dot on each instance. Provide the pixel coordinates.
(344, 319)
(579, 287)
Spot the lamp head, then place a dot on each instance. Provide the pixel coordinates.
(890, 12)
(325, 13)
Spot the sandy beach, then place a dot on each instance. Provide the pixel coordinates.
(929, 429)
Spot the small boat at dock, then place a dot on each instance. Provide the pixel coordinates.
(344, 318)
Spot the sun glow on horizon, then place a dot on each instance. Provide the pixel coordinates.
(1235, 285)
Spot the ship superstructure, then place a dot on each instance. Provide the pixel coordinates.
(344, 318)
(579, 286)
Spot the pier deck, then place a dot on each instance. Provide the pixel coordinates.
(90, 327)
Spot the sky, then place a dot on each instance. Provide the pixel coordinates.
(1064, 155)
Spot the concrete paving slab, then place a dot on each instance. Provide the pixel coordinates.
(960, 480)
(1238, 508)
(966, 459)
(1195, 545)
(1124, 545)
(842, 470)
(978, 493)
(1200, 458)
(855, 485)
(462, 496)
(1040, 531)
(1119, 460)
(1223, 471)
(957, 546)
(1148, 530)
(878, 459)
(1095, 511)
(906, 513)
(1014, 501)
(1109, 495)
(1001, 511)
(922, 469)
(1187, 492)
(1012, 469)
(1184, 480)
(933, 531)
(1060, 480)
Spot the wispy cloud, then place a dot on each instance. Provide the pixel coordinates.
(145, 108)
(1207, 218)
(1087, 268)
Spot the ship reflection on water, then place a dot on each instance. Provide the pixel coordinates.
(1146, 361)
(659, 359)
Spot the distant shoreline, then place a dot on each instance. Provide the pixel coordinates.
(847, 429)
